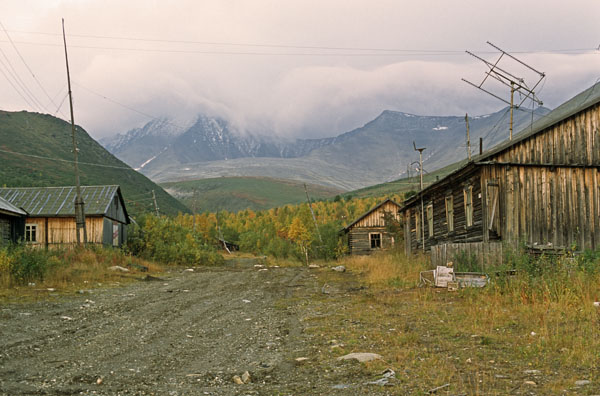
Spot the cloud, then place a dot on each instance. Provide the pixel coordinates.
(290, 95)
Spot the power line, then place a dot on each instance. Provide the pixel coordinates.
(13, 73)
(374, 52)
(68, 161)
(14, 87)
(289, 46)
(26, 65)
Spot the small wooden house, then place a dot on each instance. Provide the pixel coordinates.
(369, 233)
(51, 214)
(12, 223)
(542, 188)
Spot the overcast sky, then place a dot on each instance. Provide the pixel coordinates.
(299, 68)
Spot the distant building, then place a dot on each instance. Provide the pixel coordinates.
(369, 233)
(12, 223)
(542, 188)
(51, 214)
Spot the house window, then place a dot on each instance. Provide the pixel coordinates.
(375, 240)
(418, 225)
(468, 192)
(450, 213)
(430, 219)
(31, 233)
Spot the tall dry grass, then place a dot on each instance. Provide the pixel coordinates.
(387, 269)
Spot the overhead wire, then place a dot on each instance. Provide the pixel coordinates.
(27, 66)
(19, 82)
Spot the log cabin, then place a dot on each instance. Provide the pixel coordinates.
(369, 233)
(12, 223)
(541, 189)
(50, 211)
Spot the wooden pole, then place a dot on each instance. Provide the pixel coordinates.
(79, 204)
(512, 95)
(468, 138)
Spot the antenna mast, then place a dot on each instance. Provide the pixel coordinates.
(79, 204)
(516, 84)
(420, 150)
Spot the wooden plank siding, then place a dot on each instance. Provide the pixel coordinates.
(540, 206)
(359, 232)
(487, 254)
(62, 230)
(542, 189)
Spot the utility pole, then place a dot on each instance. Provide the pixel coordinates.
(79, 204)
(468, 137)
(313, 214)
(420, 150)
(155, 204)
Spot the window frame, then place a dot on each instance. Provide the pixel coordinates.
(468, 201)
(418, 225)
(449, 201)
(31, 229)
(429, 214)
(379, 238)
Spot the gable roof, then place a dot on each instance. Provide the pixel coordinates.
(60, 201)
(579, 102)
(345, 229)
(8, 208)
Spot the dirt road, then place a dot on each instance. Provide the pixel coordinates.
(188, 333)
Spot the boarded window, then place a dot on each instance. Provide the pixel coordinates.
(450, 213)
(31, 233)
(375, 240)
(418, 225)
(468, 195)
(430, 219)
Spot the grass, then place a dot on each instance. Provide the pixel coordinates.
(489, 341)
(239, 193)
(64, 271)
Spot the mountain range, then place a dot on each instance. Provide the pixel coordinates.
(380, 151)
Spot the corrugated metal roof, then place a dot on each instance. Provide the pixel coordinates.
(6, 206)
(59, 201)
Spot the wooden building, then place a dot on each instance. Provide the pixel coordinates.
(542, 188)
(12, 223)
(51, 214)
(368, 233)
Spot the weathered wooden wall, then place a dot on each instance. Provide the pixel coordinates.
(574, 141)
(376, 218)
(454, 187)
(487, 254)
(62, 230)
(544, 205)
(360, 243)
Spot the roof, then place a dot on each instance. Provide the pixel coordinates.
(581, 101)
(345, 229)
(60, 201)
(7, 207)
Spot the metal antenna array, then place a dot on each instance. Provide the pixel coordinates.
(516, 84)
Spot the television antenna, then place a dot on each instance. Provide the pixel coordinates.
(516, 84)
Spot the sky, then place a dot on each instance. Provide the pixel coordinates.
(294, 68)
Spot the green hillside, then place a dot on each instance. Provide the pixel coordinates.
(401, 186)
(45, 159)
(238, 193)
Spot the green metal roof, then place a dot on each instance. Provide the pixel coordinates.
(60, 201)
(9, 208)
